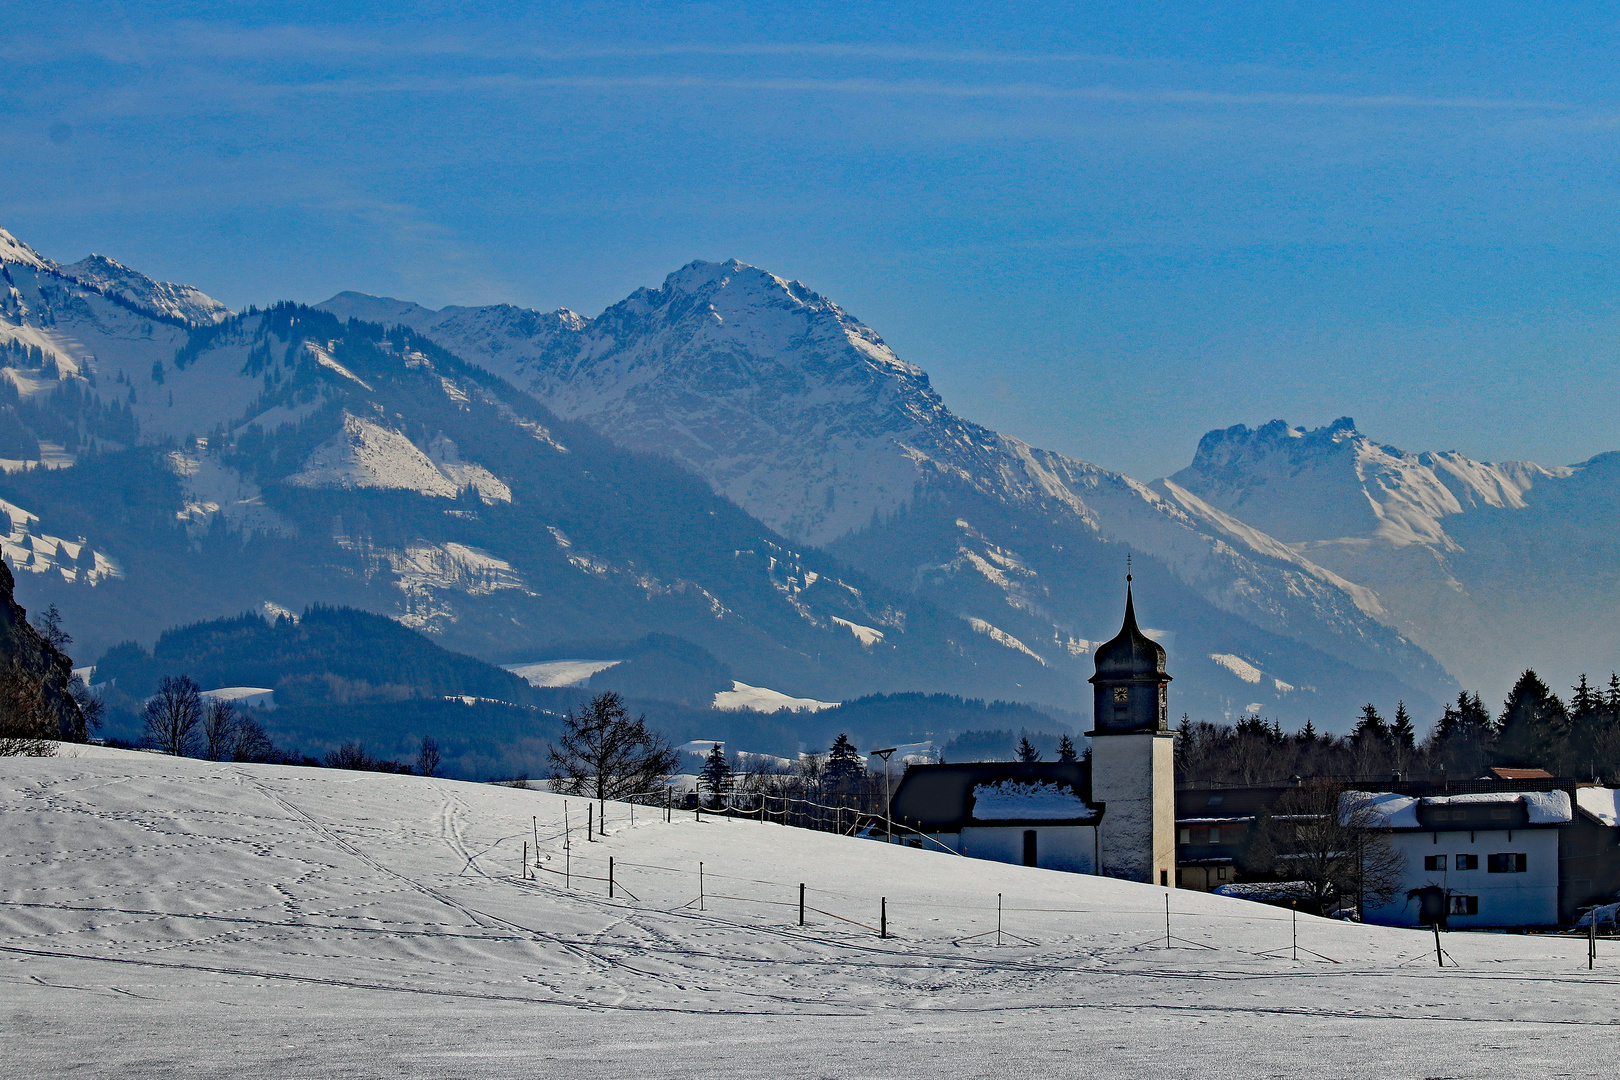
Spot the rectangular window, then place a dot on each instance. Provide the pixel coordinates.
(1501, 813)
(1215, 835)
(1220, 873)
(1185, 836)
(1508, 862)
(1464, 905)
(1467, 862)
(1434, 862)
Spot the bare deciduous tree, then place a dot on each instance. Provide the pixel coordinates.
(1338, 845)
(427, 758)
(351, 755)
(249, 742)
(605, 754)
(218, 729)
(172, 715)
(91, 710)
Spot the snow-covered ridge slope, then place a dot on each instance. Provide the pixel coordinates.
(111, 278)
(365, 454)
(185, 302)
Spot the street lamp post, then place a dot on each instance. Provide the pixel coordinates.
(888, 819)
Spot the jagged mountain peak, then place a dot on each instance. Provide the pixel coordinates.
(1335, 482)
(185, 302)
(106, 275)
(15, 251)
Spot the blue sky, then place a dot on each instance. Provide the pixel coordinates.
(1104, 228)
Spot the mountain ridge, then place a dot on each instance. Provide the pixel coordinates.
(803, 416)
(1483, 563)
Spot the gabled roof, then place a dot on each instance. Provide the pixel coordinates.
(947, 798)
(1503, 773)
(1439, 813)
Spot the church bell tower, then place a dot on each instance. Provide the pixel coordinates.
(1133, 756)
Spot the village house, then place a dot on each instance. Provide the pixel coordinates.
(1524, 850)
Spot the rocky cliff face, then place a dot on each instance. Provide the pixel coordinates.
(34, 676)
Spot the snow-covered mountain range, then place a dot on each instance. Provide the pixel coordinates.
(1491, 567)
(803, 416)
(280, 458)
(452, 472)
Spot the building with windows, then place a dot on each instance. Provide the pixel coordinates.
(1526, 851)
(1492, 855)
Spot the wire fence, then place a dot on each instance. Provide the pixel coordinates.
(857, 909)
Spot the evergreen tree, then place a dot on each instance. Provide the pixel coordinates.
(1026, 750)
(1534, 728)
(1066, 748)
(1371, 725)
(1401, 732)
(716, 775)
(1583, 699)
(844, 763)
(1612, 698)
(1594, 733)
(1460, 743)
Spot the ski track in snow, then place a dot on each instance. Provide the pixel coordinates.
(160, 914)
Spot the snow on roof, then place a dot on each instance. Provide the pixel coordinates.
(1010, 800)
(1600, 803)
(1400, 811)
(1545, 807)
(252, 697)
(1397, 811)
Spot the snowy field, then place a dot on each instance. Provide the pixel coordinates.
(163, 917)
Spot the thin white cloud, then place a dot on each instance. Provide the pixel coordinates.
(914, 88)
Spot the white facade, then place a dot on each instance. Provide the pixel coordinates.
(1057, 847)
(1495, 854)
(1506, 897)
(1134, 777)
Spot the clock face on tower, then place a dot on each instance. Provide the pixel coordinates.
(1122, 695)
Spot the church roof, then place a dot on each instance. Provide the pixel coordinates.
(1131, 654)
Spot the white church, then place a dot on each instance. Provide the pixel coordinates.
(1115, 817)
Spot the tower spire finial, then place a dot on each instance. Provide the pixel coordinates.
(1127, 568)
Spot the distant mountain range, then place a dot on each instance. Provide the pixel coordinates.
(1489, 567)
(731, 459)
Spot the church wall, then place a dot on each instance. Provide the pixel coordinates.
(1057, 847)
(1134, 777)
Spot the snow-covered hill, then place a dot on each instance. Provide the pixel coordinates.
(803, 416)
(164, 916)
(1491, 567)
